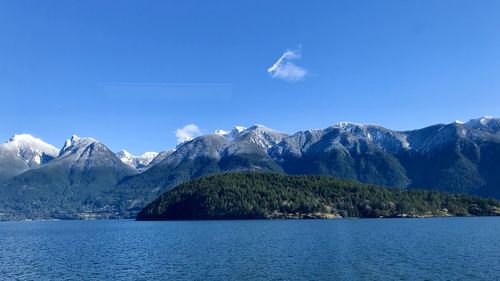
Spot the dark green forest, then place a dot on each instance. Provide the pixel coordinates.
(270, 195)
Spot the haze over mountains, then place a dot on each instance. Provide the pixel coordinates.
(86, 179)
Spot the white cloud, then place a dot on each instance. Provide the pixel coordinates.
(187, 133)
(285, 69)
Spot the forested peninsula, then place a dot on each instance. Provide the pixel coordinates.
(272, 196)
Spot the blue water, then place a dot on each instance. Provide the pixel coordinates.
(378, 249)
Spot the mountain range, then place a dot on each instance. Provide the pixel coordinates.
(86, 180)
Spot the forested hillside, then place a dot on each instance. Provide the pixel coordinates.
(268, 195)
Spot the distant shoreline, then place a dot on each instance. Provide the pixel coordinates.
(252, 219)
(320, 218)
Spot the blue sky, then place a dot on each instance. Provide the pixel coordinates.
(130, 73)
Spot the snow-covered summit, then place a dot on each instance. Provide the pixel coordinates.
(238, 129)
(256, 134)
(75, 143)
(137, 162)
(487, 123)
(30, 149)
(230, 135)
(345, 125)
(126, 157)
(261, 136)
(80, 156)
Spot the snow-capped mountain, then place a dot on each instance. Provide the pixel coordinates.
(137, 162)
(81, 179)
(23, 152)
(424, 140)
(87, 153)
(454, 157)
(444, 156)
(343, 135)
(239, 149)
(223, 143)
(81, 161)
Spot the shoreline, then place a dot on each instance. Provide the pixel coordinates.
(306, 217)
(255, 219)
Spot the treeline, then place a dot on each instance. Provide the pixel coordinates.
(267, 195)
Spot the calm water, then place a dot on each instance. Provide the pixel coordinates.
(379, 249)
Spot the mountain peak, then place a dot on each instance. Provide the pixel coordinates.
(29, 140)
(353, 125)
(231, 135)
(30, 149)
(261, 136)
(239, 129)
(137, 162)
(75, 138)
(235, 132)
(22, 138)
(76, 142)
(483, 120)
(487, 123)
(259, 127)
(344, 124)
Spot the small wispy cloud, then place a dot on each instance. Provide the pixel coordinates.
(285, 69)
(187, 133)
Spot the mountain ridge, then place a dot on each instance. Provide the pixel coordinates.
(459, 157)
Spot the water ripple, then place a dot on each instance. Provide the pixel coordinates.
(379, 249)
